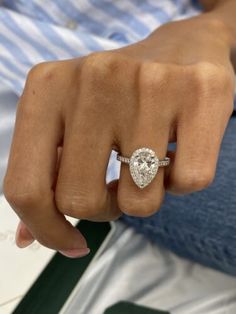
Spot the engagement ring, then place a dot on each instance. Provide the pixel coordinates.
(143, 165)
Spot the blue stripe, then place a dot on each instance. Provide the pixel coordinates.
(45, 16)
(14, 27)
(80, 17)
(74, 14)
(10, 4)
(180, 6)
(91, 24)
(90, 43)
(118, 26)
(48, 31)
(31, 9)
(14, 49)
(130, 20)
(14, 83)
(157, 12)
(12, 67)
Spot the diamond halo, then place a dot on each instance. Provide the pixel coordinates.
(143, 166)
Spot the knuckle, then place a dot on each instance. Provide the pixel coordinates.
(45, 83)
(133, 206)
(42, 72)
(212, 79)
(96, 63)
(22, 198)
(104, 64)
(193, 180)
(153, 76)
(78, 205)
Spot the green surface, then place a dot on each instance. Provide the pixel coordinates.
(52, 288)
(123, 307)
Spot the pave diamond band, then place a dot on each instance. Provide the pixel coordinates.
(143, 165)
(161, 163)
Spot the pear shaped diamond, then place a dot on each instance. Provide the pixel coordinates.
(143, 166)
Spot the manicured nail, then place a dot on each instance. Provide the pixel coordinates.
(23, 237)
(75, 253)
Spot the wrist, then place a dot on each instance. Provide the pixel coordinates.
(217, 26)
(205, 32)
(226, 30)
(200, 38)
(223, 11)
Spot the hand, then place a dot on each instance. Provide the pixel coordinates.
(176, 85)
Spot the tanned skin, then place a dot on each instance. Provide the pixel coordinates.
(175, 85)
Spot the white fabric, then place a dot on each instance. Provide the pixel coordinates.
(133, 269)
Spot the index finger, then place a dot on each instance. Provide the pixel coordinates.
(28, 184)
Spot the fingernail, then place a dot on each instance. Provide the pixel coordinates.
(23, 243)
(23, 238)
(75, 253)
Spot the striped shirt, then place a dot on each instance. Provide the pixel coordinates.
(32, 31)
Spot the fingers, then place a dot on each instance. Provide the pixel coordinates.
(195, 160)
(81, 189)
(31, 172)
(149, 125)
(199, 136)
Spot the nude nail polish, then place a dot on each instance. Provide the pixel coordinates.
(75, 253)
(23, 239)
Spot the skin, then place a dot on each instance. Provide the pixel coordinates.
(175, 85)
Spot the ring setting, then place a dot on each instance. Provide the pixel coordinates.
(143, 165)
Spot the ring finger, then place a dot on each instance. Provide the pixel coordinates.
(131, 199)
